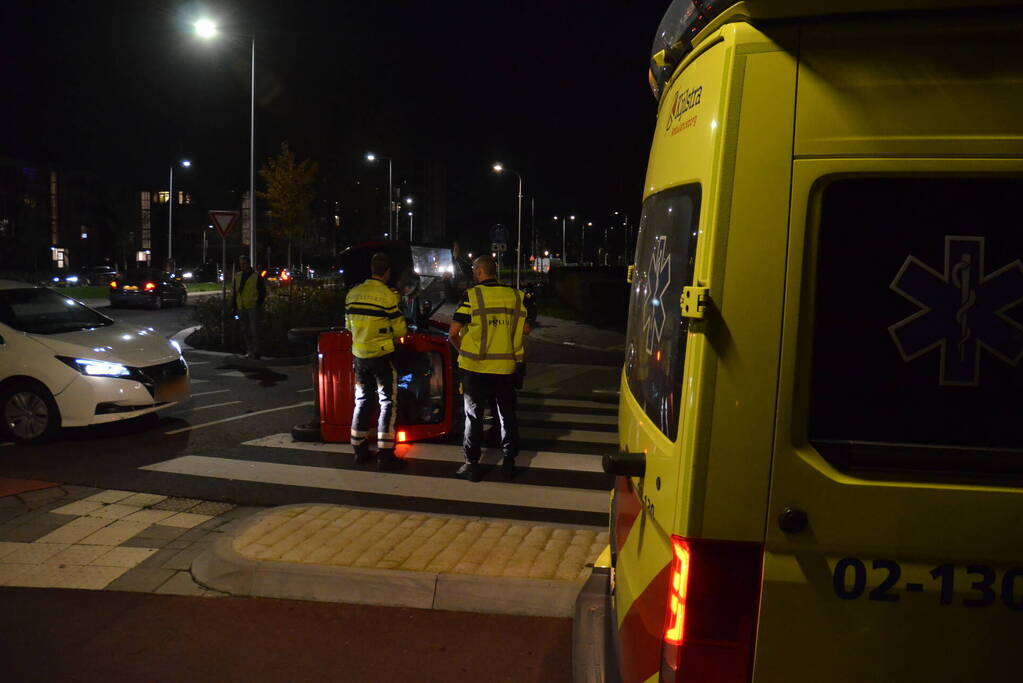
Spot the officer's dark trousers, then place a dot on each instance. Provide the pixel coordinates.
(478, 389)
(370, 373)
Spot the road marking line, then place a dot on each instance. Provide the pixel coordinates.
(408, 485)
(568, 417)
(207, 393)
(231, 373)
(302, 391)
(557, 434)
(198, 381)
(206, 407)
(197, 362)
(571, 462)
(565, 403)
(237, 417)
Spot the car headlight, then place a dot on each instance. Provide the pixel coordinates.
(95, 368)
(56, 279)
(187, 276)
(72, 278)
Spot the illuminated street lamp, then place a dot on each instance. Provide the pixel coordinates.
(582, 246)
(185, 163)
(207, 29)
(564, 247)
(371, 157)
(411, 214)
(500, 168)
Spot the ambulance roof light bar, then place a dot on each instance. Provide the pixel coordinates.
(683, 20)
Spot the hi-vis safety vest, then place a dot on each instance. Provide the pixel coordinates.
(492, 339)
(372, 316)
(246, 296)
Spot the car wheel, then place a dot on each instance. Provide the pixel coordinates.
(30, 414)
(157, 303)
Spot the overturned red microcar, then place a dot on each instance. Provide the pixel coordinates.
(423, 360)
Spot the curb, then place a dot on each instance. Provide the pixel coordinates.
(223, 569)
(239, 361)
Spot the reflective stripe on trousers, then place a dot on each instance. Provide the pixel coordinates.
(381, 373)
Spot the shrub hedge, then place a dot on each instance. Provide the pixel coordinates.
(285, 308)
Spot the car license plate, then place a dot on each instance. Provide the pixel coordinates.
(172, 390)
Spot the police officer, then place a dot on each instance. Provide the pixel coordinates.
(249, 295)
(372, 315)
(487, 329)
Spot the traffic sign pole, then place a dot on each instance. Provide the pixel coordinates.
(224, 221)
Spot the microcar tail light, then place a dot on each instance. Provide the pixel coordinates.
(710, 621)
(113, 284)
(150, 286)
(402, 437)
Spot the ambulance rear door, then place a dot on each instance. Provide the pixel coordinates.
(893, 548)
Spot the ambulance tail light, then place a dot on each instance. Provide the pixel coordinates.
(710, 622)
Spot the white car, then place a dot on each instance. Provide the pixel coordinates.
(63, 364)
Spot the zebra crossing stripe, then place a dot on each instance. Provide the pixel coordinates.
(566, 403)
(406, 485)
(572, 462)
(569, 417)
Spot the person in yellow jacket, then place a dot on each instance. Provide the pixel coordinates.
(487, 329)
(249, 293)
(373, 317)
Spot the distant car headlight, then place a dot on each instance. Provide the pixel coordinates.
(187, 276)
(95, 368)
(56, 279)
(72, 278)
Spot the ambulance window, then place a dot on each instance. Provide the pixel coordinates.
(918, 329)
(656, 341)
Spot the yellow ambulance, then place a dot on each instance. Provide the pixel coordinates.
(820, 466)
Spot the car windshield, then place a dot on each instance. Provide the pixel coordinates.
(44, 311)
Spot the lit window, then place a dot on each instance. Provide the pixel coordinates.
(164, 197)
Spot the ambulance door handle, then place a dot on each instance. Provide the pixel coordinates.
(625, 464)
(792, 520)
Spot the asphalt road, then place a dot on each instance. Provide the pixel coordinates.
(130, 636)
(229, 407)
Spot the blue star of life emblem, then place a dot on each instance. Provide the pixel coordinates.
(658, 280)
(962, 310)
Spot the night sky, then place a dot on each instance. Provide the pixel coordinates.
(554, 89)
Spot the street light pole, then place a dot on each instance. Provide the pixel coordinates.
(252, 159)
(500, 168)
(170, 215)
(170, 209)
(391, 217)
(207, 29)
(411, 215)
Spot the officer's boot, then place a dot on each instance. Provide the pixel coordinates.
(387, 460)
(362, 454)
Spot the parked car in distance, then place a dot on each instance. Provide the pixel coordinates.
(82, 277)
(99, 275)
(276, 275)
(67, 365)
(148, 287)
(69, 278)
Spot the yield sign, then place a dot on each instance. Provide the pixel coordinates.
(224, 220)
